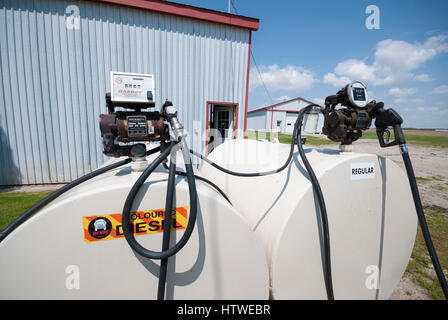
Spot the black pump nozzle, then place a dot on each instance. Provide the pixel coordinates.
(386, 118)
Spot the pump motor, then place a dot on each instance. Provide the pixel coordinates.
(124, 131)
(345, 125)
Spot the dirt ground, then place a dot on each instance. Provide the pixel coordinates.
(432, 133)
(431, 167)
(31, 188)
(430, 164)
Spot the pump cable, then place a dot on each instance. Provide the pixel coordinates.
(321, 201)
(183, 174)
(167, 224)
(296, 139)
(31, 211)
(422, 220)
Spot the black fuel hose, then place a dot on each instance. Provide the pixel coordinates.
(134, 191)
(152, 151)
(181, 173)
(296, 139)
(167, 225)
(31, 211)
(321, 201)
(422, 220)
(253, 174)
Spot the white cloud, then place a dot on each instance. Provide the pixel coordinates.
(334, 80)
(355, 69)
(290, 78)
(418, 100)
(422, 77)
(427, 109)
(394, 62)
(400, 100)
(441, 89)
(397, 92)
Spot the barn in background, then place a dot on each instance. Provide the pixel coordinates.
(278, 117)
(56, 57)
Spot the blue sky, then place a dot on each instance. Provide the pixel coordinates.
(311, 48)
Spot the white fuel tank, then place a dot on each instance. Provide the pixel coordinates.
(74, 248)
(372, 219)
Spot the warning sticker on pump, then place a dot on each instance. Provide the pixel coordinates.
(110, 227)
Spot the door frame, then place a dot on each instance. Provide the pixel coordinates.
(207, 117)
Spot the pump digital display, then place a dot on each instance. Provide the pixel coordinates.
(136, 88)
(359, 94)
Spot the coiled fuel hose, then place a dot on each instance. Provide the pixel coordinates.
(166, 252)
(133, 193)
(296, 139)
(31, 211)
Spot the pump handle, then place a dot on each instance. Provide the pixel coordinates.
(386, 118)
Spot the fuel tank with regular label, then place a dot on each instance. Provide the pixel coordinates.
(75, 249)
(371, 215)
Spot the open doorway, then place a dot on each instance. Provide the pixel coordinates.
(222, 123)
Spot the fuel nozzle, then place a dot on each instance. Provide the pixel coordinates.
(384, 119)
(170, 112)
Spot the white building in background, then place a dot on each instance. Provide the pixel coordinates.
(279, 117)
(55, 62)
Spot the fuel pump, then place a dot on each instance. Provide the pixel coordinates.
(346, 125)
(124, 133)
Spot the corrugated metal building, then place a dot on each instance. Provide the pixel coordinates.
(55, 61)
(279, 117)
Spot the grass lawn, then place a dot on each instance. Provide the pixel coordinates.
(14, 204)
(285, 138)
(430, 141)
(420, 266)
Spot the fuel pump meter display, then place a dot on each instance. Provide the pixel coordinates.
(132, 88)
(357, 94)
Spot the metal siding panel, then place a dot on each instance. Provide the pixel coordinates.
(59, 90)
(295, 105)
(12, 100)
(67, 70)
(37, 92)
(256, 120)
(56, 145)
(49, 131)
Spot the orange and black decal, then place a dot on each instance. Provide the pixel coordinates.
(109, 226)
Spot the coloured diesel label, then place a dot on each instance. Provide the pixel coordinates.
(109, 226)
